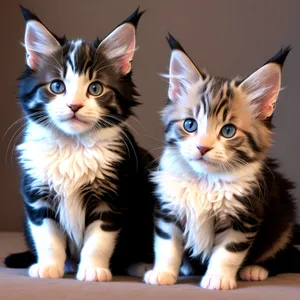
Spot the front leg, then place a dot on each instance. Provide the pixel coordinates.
(99, 243)
(50, 244)
(168, 252)
(46, 238)
(230, 250)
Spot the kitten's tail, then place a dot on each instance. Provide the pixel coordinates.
(20, 260)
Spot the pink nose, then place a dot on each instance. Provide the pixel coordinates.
(75, 107)
(203, 149)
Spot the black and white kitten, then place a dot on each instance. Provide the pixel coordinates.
(220, 198)
(84, 179)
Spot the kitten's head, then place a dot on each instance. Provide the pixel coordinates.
(77, 86)
(219, 125)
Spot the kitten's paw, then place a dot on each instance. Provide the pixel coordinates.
(46, 271)
(87, 273)
(214, 282)
(254, 273)
(159, 278)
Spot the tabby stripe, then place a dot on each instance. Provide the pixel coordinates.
(242, 155)
(229, 92)
(71, 63)
(242, 228)
(221, 95)
(166, 218)
(203, 75)
(161, 233)
(171, 142)
(87, 66)
(237, 141)
(252, 142)
(220, 106)
(244, 200)
(237, 247)
(110, 227)
(246, 218)
(237, 83)
(221, 229)
(203, 100)
(170, 124)
(37, 216)
(180, 133)
(166, 211)
(204, 88)
(197, 110)
(239, 222)
(33, 91)
(225, 113)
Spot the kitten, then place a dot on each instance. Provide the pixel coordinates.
(221, 199)
(84, 179)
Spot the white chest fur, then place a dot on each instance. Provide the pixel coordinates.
(197, 200)
(66, 164)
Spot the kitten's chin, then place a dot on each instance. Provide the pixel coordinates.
(74, 127)
(202, 166)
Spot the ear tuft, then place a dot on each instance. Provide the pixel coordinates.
(182, 71)
(28, 15)
(174, 44)
(280, 57)
(134, 18)
(119, 45)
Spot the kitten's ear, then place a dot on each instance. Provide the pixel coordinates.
(262, 87)
(182, 71)
(119, 45)
(38, 39)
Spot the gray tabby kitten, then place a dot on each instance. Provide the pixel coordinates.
(220, 199)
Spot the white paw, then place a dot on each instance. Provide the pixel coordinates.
(254, 273)
(93, 274)
(160, 278)
(46, 271)
(215, 282)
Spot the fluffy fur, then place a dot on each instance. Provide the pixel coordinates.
(84, 179)
(221, 201)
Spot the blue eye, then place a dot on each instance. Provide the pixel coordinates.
(190, 125)
(57, 87)
(228, 131)
(95, 89)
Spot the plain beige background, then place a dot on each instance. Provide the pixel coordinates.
(227, 37)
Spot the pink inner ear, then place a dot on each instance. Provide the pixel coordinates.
(267, 111)
(263, 88)
(174, 93)
(125, 59)
(30, 39)
(31, 61)
(269, 99)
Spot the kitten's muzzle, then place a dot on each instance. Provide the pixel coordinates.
(75, 107)
(203, 149)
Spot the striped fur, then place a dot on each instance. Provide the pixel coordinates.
(220, 200)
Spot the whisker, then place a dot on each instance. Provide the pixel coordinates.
(17, 122)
